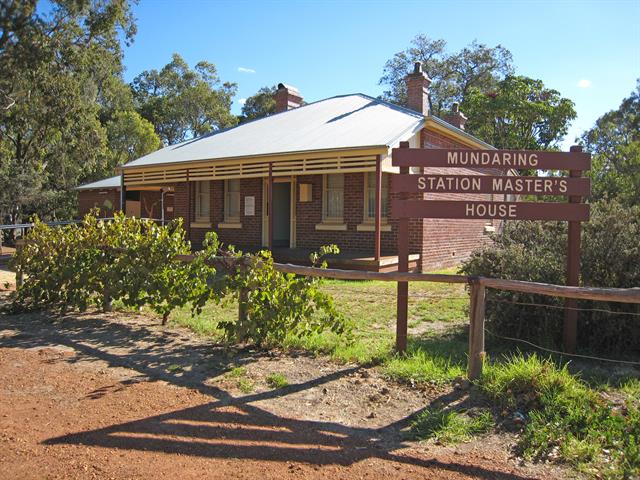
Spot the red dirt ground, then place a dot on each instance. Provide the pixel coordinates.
(112, 396)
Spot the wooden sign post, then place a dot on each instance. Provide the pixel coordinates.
(574, 187)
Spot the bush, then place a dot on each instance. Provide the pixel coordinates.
(280, 304)
(130, 260)
(134, 262)
(536, 251)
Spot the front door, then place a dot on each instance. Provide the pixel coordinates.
(281, 214)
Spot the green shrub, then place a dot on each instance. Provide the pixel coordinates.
(128, 260)
(565, 420)
(133, 261)
(536, 251)
(281, 304)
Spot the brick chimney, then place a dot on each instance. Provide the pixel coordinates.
(287, 98)
(418, 90)
(456, 117)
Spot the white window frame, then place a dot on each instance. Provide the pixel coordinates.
(228, 196)
(203, 201)
(385, 197)
(325, 199)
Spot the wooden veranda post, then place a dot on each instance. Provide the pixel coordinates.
(123, 195)
(403, 266)
(378, 207)
(570, 327)
(476, 329)
(270, 206)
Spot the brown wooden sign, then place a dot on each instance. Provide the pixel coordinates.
(511, 185)
(489, 210)
(574, 187)
(498, 159)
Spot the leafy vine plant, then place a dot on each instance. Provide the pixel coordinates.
(137, 262)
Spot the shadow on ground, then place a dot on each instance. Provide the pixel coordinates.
(227, 426)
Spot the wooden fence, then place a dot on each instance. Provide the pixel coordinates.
(478, 286)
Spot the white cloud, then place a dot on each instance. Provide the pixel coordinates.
(242, 101)
(246, 70)
(584, 83)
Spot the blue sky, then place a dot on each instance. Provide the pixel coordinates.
(588, 50)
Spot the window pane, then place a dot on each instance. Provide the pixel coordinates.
(234, 204)
(370, 207)
(232, 200)
(334, 196)
(202, 200)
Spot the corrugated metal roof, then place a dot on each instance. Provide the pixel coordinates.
(111, 182)
(337, 123)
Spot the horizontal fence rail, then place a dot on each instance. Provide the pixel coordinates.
(478, 286)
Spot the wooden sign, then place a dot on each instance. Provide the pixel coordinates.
(509, 185)
(497, 159)
(573, 212)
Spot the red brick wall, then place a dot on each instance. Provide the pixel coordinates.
(249, 236)
(88, 199)
(441, 243)
(447, 242)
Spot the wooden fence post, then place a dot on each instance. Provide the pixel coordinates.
(402, 307)
(570, 327)
(19, 275)
(243, 297)
(476, 330)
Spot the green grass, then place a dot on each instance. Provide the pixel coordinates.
(567, 420)
(245, 385)
(370, 307)
(277, 380)
(237, 372)
(448, 426)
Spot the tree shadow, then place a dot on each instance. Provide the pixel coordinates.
(225, 427)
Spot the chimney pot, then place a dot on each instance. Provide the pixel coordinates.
(417, 67)
(287, 98)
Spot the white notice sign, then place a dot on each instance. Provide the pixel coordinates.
(249, 206)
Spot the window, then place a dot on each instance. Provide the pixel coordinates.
(333, 198)
(232, 201)
(203, 201)
(370, 196)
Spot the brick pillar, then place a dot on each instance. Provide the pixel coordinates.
(287, 98)
(456, 117)
(418, 90)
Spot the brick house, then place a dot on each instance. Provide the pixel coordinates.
(326, 166)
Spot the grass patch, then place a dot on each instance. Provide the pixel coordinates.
(237, 372)
(277, 380)
(449, 426)
(566, 419)
(245, 385)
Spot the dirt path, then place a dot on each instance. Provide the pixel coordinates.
(113, 396)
